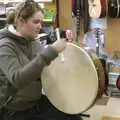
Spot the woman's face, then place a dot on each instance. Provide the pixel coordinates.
(31, 27)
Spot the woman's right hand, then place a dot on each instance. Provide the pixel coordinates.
(59, 45)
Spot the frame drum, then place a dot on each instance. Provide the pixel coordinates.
(71, 82)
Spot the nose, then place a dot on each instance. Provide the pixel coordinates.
(39, 26)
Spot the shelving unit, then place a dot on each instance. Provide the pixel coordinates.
(113, 91)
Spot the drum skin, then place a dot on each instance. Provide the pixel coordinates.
(71, 81)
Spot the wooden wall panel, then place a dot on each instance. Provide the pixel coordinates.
(65, 14)
(113, 35)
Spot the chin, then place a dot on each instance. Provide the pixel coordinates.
(31, 37)
(35, 35)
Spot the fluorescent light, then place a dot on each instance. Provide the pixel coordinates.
(43, 0)
(42, 5)
(7, 1)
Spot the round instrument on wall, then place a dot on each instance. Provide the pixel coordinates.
(104, 8)
(94, 8)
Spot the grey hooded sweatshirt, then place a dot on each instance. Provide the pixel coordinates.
(21, 64)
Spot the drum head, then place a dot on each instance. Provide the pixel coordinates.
(70, 82)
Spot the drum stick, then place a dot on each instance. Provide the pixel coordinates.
(58, 38)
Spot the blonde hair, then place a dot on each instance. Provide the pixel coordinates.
(10, 16)
(26, 9)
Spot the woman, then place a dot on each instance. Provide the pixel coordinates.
(22, 60)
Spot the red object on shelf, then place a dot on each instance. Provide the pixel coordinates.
(118, 82)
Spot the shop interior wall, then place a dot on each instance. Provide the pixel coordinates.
(65, 17)
(112, 33)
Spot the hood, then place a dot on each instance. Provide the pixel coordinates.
(5, 33)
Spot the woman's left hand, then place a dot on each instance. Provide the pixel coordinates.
(69, 35)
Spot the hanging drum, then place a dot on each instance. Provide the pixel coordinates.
(74, 80)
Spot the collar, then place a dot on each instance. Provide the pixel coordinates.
(13, 30)
(17, 36)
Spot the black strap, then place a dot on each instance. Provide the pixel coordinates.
(86, 16)
(78, 13)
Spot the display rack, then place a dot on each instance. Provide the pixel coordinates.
(113, 91)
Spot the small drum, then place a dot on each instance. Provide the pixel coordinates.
(74, 80)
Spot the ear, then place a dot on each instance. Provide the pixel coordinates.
(21, 21)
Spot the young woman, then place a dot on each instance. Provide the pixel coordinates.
(22, 60)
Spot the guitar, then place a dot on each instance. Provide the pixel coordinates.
(118, 8)
(94, 8)
(78, 13)
(104, 8)
(98, 39)
(113, 8)
(85, 16)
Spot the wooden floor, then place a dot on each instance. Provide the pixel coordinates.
(109, 109)
(110, 118)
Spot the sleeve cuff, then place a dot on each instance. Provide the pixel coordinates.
(49, 54)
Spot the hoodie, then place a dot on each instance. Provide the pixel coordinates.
(21, 64)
